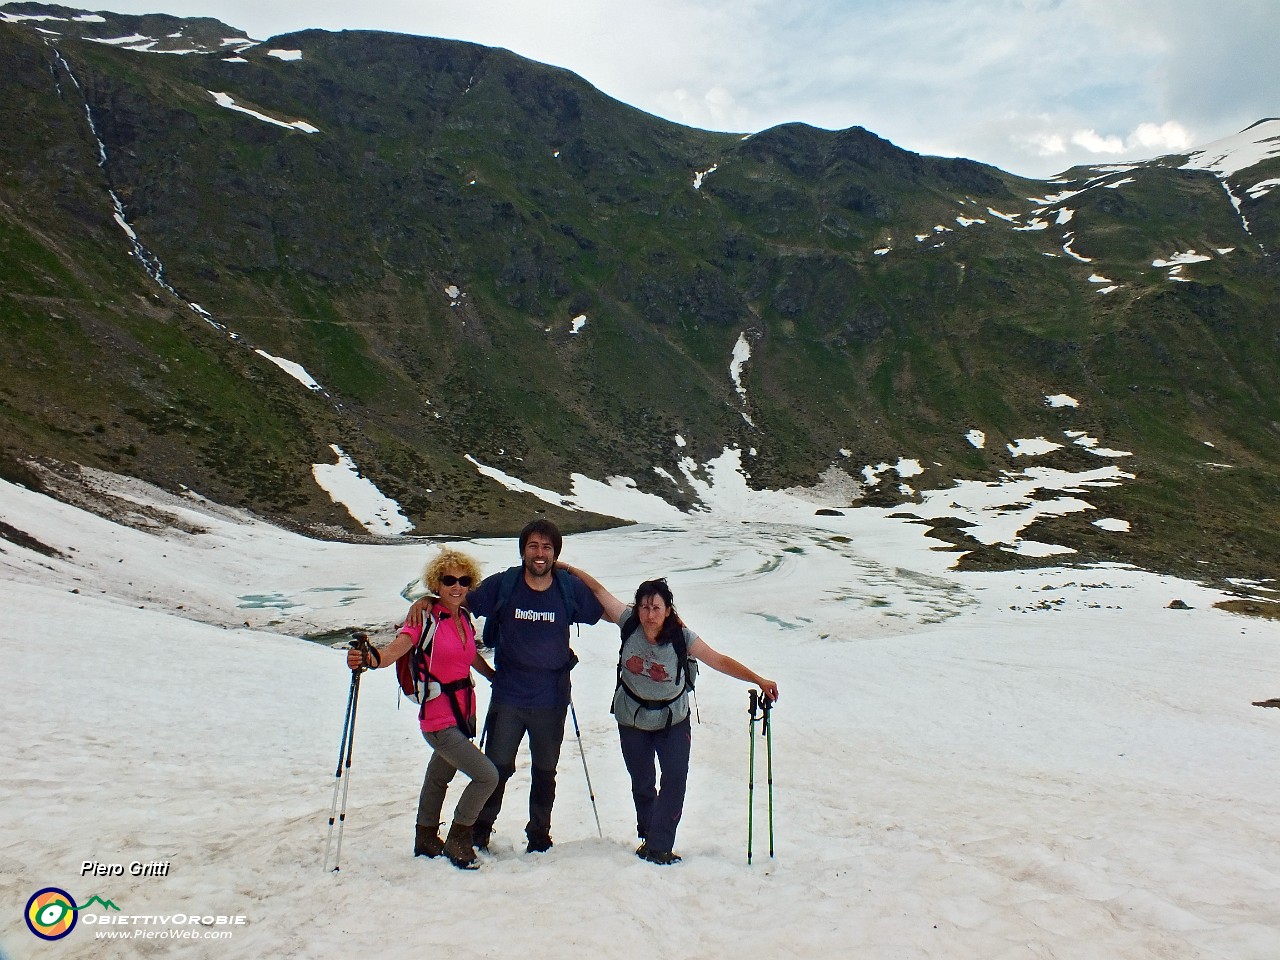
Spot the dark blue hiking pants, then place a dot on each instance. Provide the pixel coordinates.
(507, 726)
(658, 807)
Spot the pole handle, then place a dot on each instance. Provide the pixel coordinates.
(360, 641)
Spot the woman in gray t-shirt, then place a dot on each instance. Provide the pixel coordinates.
(651, 704)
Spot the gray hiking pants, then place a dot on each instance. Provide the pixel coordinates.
(453, 751)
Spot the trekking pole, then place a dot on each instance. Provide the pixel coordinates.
(768, 750)
(484, 734)
(751, 770)
(342, 773)
(346, 779)
(583, 754)
(337, 773)
(359, 641)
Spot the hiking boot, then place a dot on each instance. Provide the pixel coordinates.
(480, 833)
(664, 858)
(427, 842)
(538, 843)
(458, 847)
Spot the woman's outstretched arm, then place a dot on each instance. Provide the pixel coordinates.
(613, 607)
(703, 652)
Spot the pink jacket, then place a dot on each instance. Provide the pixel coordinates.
(452, 652)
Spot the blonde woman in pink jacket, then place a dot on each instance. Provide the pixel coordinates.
(448, 717)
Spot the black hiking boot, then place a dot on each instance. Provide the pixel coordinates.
(663, 858)
(480, 833)
(538, 843)
(458, 848)
(427, 842)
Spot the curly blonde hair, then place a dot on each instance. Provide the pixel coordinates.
(449, 559)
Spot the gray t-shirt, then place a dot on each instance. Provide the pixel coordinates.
(649, 671)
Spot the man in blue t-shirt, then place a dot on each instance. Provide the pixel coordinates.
(532, 660)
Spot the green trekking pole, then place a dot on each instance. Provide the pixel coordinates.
(768, 750)
(751, 771)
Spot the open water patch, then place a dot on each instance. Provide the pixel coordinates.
(353, 592)
(779, 622)
(265, 601)
(769, 566)
(338, 637)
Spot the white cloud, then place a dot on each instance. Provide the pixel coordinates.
(1147, 139)
(714, 109)
(1162, 137)
(1048, 144)
(1094, 142)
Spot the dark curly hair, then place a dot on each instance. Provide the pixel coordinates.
(672, 626)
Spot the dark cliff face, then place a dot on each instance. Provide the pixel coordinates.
(423, 252)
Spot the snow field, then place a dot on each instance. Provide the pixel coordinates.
(1008, 765)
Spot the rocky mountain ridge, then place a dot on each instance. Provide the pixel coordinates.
(470, 255)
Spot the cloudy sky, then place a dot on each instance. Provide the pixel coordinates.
(1032, 86)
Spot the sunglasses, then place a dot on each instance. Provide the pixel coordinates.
(449, 580)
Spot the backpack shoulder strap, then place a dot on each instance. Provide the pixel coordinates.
(506, 587)
(566, 593)
(682, 656)
(429, 625)
(426, 642)
(466, 617)
(490, 636)
(413, 664)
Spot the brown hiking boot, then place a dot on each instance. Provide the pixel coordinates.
(427, 842)
(458, 848)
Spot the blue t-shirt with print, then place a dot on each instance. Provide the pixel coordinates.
(533, 658)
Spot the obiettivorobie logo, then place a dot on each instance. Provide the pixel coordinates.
(52, 913)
